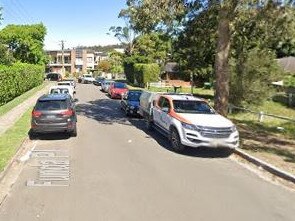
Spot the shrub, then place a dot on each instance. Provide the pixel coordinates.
(145, 73)
(17, 79)
(251, 77)
(129, 63)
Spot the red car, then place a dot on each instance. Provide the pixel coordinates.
(117, 89)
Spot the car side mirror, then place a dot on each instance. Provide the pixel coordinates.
(165, 109)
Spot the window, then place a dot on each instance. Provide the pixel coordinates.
(194, 107)
(164, 103)
(89, 59)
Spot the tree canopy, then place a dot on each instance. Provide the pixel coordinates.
(210, 33)
(25, 42)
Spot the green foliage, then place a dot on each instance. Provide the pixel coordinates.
(250, 85)
(25, 42)
(154, 46)
(6, 57)
(104, 65)
(289, 81)
(116, 60)
(145, 73)
(128, 64)
(17, 79)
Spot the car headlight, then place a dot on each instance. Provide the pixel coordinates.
(190, 126)
(234, 128)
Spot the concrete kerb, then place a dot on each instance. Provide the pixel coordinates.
(266, 166)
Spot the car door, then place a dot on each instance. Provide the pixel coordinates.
(161, 113)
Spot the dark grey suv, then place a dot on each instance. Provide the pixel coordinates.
(54, 113)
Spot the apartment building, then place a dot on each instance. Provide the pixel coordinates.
(75, 60)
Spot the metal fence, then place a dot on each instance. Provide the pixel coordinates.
(260, 114)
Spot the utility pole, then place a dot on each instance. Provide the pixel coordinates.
(62, 57)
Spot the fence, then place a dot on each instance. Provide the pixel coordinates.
(158, 84)
(260, 114)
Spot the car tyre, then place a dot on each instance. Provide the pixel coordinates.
(74, 132)
(32, 135)
(127, 113)
(177, 146)
(149, 125)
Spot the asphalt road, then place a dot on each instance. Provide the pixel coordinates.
(116, 170)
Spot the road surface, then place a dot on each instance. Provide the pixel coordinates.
(115, 170)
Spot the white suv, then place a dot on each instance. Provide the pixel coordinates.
(190, 121)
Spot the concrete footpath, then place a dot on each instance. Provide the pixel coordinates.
(12, 116)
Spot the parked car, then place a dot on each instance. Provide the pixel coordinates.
(72, 80)
(54, 113)
(190, 121)
(54, 76)
(130, 102)
(117, 89)
(98, 81)
(87, 78)
(105, 85)
(62, 89)
(67, 83)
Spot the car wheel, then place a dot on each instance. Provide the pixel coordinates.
(127, 113)
(149, 125)
(32, 135)
(177, 146)
(74, 132)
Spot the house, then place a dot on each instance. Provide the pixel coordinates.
(171, 70)
(288, 64)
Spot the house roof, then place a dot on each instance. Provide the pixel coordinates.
(287, 63)
(171, 67)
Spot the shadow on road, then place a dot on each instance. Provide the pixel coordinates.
(107, 111)
(49, 136)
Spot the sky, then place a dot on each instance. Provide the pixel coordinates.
(77, 22)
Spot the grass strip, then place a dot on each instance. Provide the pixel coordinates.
(16, 101)
(11, 140)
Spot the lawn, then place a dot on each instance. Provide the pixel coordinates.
(269, 124)
(11, 140)
(10, 105)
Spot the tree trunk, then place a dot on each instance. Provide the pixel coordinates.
(221, 63)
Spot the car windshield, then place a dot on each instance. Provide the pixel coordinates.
(120, 85)
(51, 105)
(134, 95)
(194, 107)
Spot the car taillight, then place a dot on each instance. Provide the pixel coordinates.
(36, 113)
(68, 112)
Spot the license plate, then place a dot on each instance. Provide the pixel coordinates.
(50, 116)
(215, 143)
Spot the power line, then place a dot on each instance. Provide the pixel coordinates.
(13, 14)
(23, 10)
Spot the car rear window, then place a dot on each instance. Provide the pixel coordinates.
(51, 105)
(59, 91)
(120, 85)
(134, 96)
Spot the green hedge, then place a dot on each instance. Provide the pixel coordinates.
(144, 73)
(17, 79)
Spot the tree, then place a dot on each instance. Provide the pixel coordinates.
(147, 15)
(25, 42)
(155, 46)
(104, 65)
(116, 61)
(126, 36)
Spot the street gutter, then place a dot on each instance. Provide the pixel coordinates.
(266, 166)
